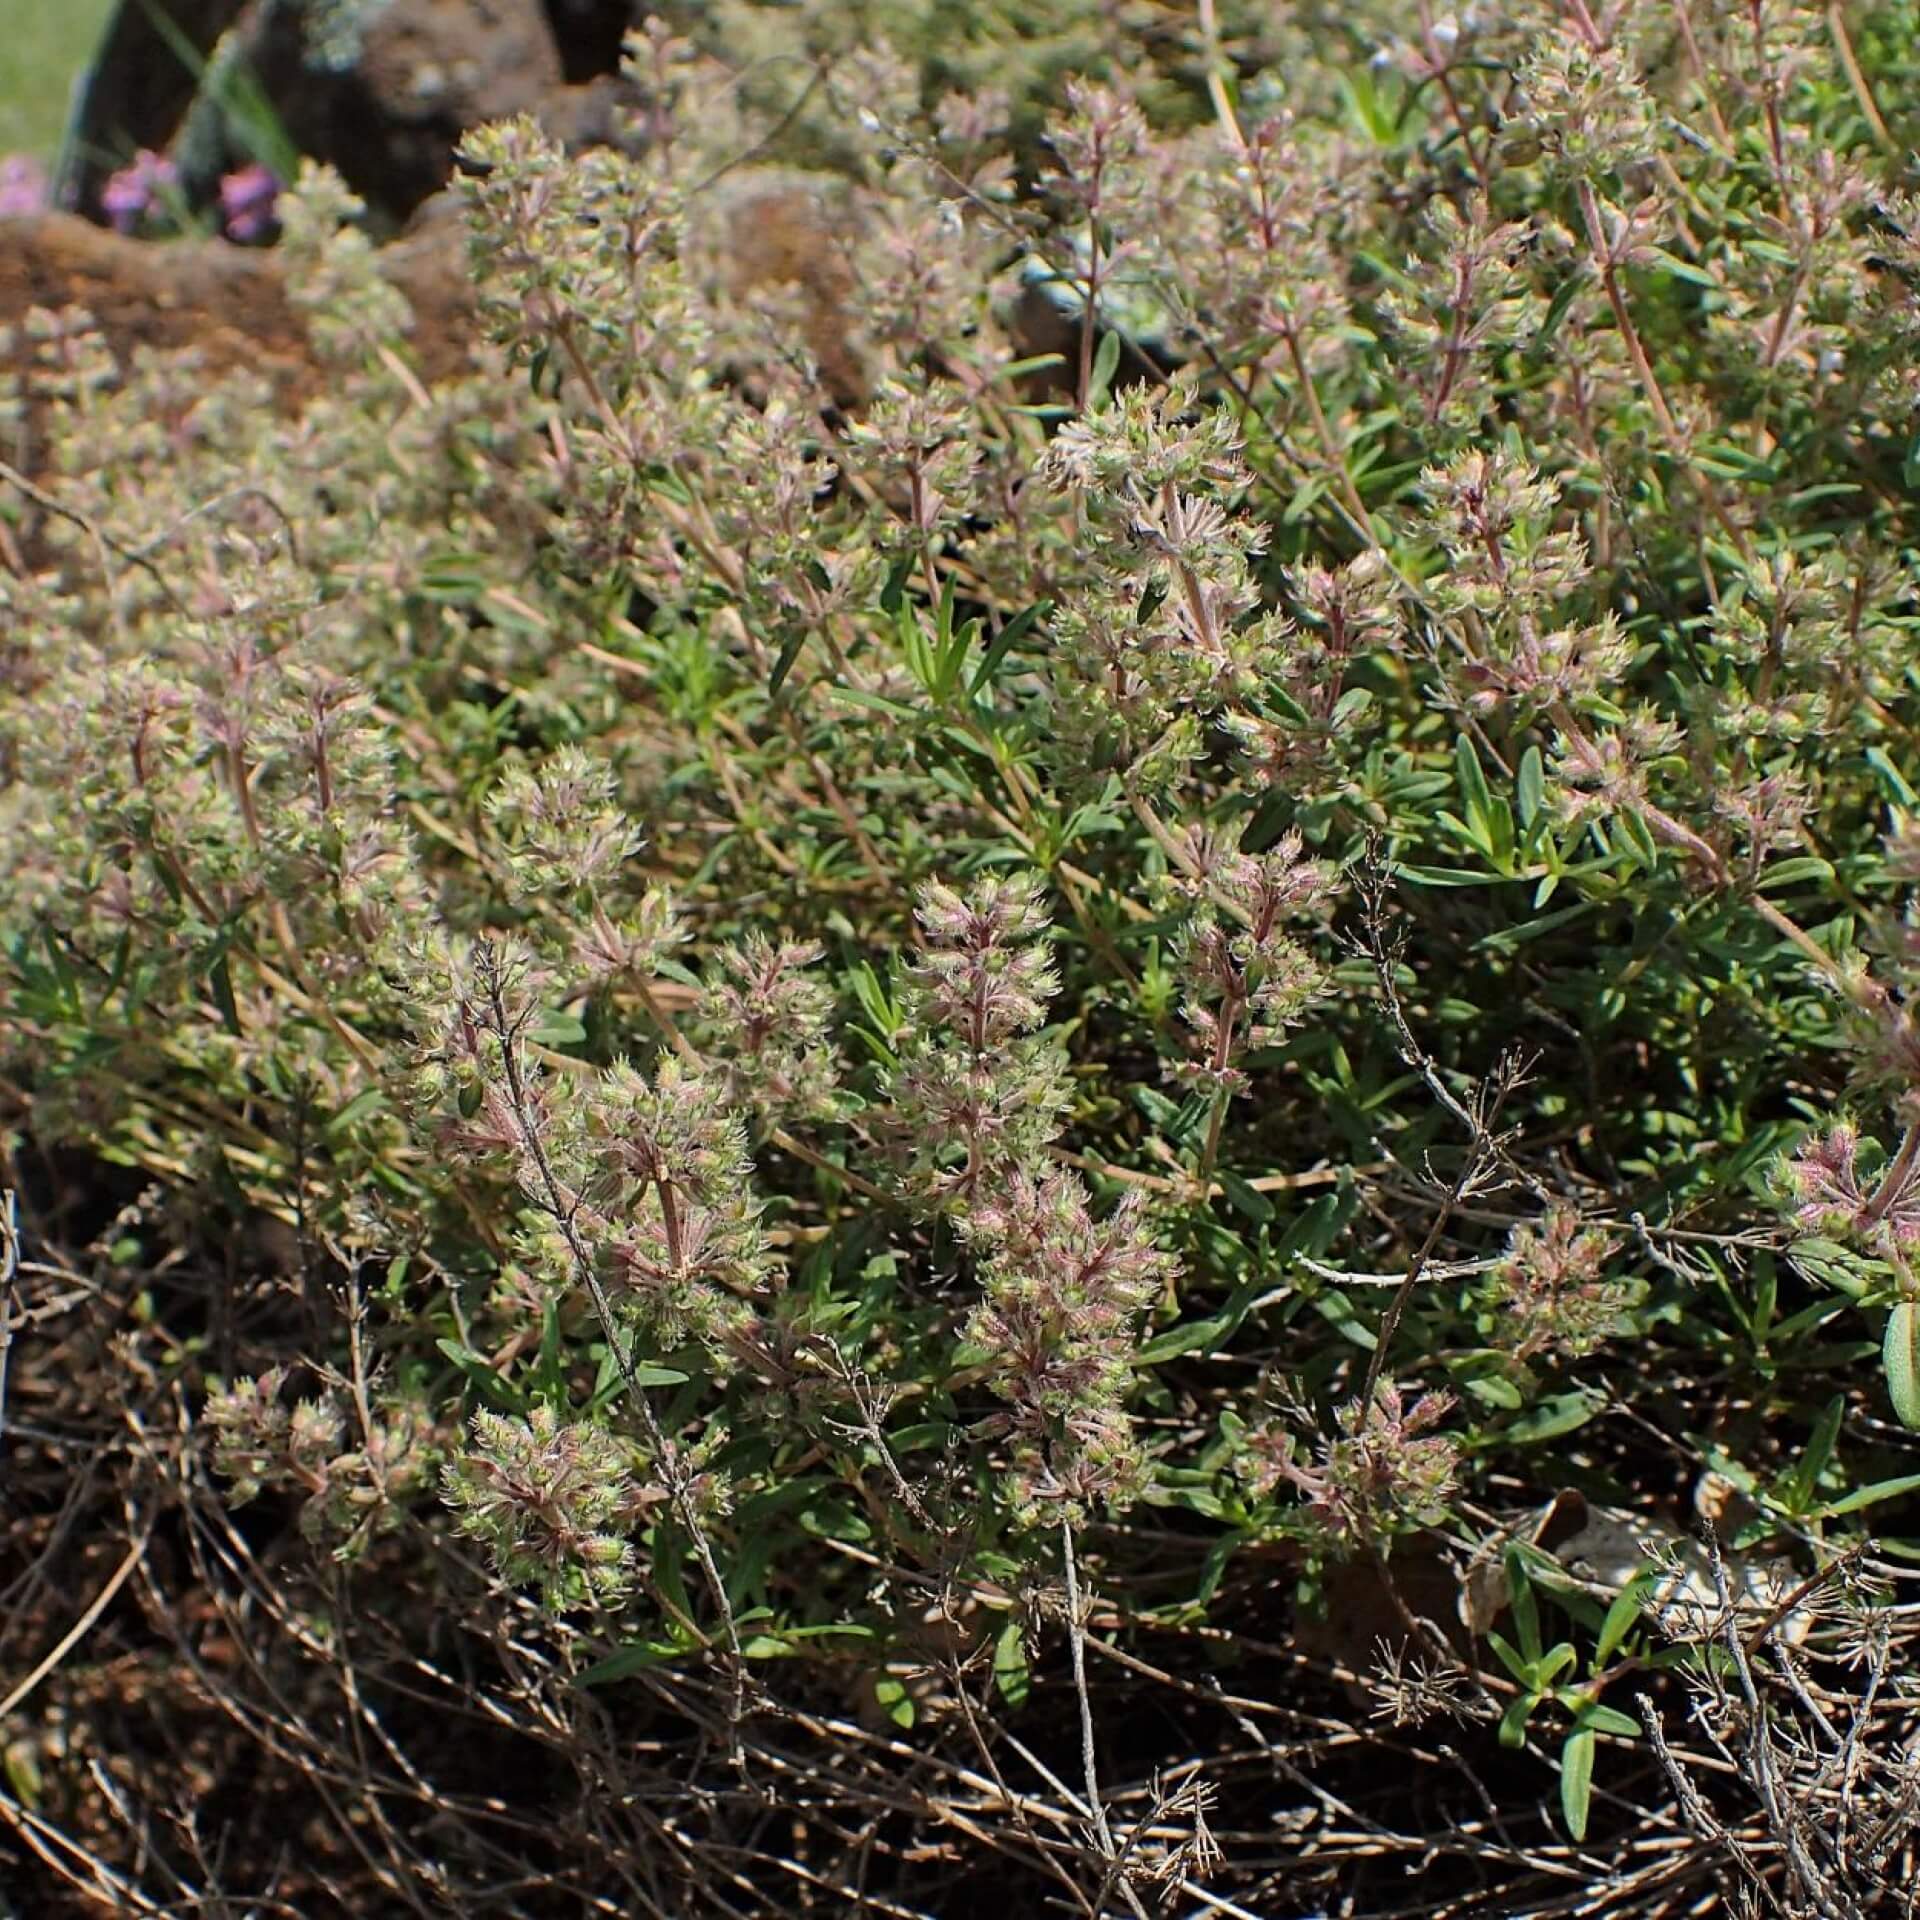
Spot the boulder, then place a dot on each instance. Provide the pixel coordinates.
(228, 302)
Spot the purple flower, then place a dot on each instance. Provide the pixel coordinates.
(23, 185)
(247, 201)
(132, 191)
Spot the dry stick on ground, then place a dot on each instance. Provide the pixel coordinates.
(1077, 1645)
(80, 1628)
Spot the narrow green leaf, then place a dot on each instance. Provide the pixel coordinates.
(895, 589)
(789, 653)
(1635, 832)
(1526, 1610)
(1796, 1487)
(646, 1375)
(1495, 1390)
(1902, 1358)
(1531, 787)
(635, 1657)
(1871, 1496)
(1556, 312)
(1513, 1723)
(1248, 1200)
(369, 1101)
(1562, 1413)
(1790, 873)
(1623, 1726)
(1510, 1657)
(1891, 777)
(1621, 1617)
(221, 982)
(670, 1576)
(1106, 363)
(1006, 640)
(1683, 269)
(1204, 1336)
(1010, 1672)
(1473, 786)
(1576, 1780)
(550, 1381)
(874, 703)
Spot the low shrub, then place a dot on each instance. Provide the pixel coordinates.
(920, 1107)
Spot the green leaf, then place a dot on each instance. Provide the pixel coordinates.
(1510, 1657)
(892, 1694)
(1871, 1496)
(550, 1379)
(1249, 1200)
(784, 1642)
(1556, 1661)
(1562, 1413)
(1106, 363)
(1034, 363)
(1314, 1229)
(1010, 1672)
(873, 703)
(1473, 786)
(1204, 1336)
(1901, 1355)
(1603, 1719)
(1006, 640)
(1576, 1779)
(789, 653)
(1513, 1723)
(895, 589)
(1531, 787)
(1790, 873)
(1891, 777)
(1621, 1617)
(369, 1101)
(1494, 1390)
(246, 109)
(1796, 1487)
(1683, 269)
(1440, 876)
(875, 997)
(1526, 1611)
(635, 1657)
(644, 1375)
(1635, 831)
(1557, 308)
(221, 983)
(670, 1576)
(1542, 924)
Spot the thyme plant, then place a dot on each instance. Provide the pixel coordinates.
(842, 1003)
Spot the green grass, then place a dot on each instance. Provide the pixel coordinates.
(43, 46)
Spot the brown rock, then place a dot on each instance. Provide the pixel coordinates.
(442, 66)
(427, 71)
(229, 302)
(769, 231)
